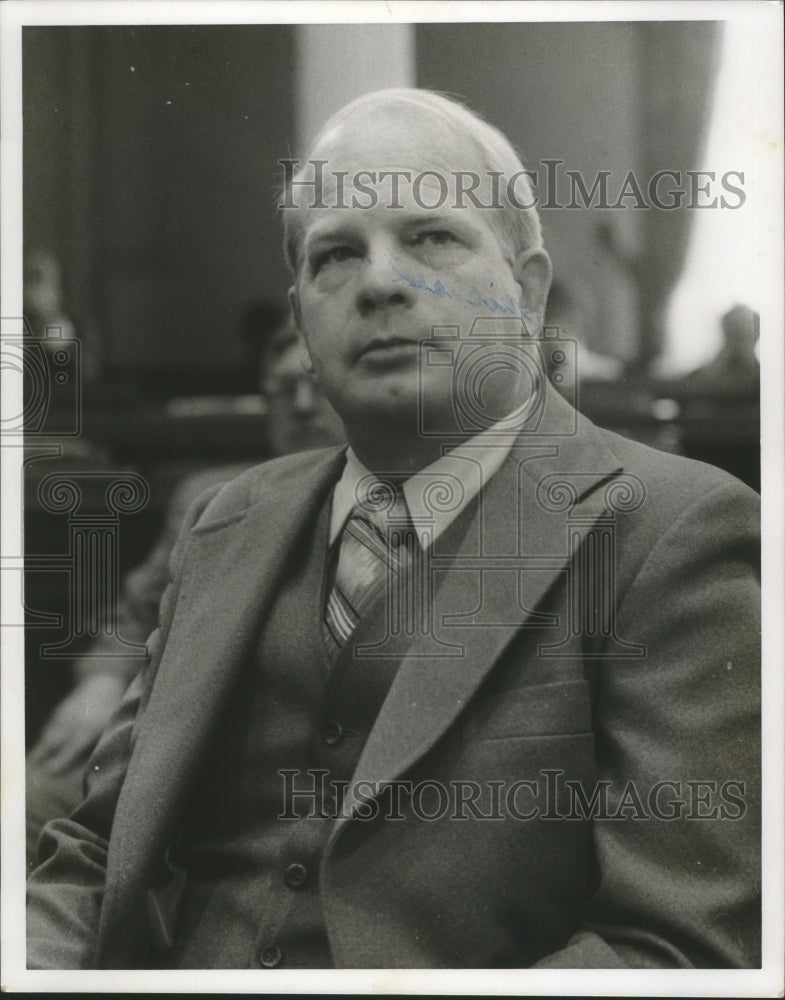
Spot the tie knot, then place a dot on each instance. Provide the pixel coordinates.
(383, 505)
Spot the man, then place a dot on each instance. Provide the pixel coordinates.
(480, 691)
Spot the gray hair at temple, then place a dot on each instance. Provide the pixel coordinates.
(519, 228)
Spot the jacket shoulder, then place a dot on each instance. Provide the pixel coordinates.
(235, 496)
(673, 481)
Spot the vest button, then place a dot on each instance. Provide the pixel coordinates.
(271, 957)
(332, 733)
(295, 876)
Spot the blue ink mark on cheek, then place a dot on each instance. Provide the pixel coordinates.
(437, 288)
(475, 299)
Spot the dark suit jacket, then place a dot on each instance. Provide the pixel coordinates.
(657, 685)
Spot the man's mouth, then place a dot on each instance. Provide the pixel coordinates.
(382, 345)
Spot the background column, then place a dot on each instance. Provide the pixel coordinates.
(338, 62)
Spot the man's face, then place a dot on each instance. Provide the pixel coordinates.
(374, 282)
(298, 415)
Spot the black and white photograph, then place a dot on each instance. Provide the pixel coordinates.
(392, 489)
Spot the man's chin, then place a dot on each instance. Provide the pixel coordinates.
(386, 399)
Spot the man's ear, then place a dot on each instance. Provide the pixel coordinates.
(305, 358)
(294, 305)
(533, 270)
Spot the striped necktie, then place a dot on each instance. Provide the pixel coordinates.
(374, 549)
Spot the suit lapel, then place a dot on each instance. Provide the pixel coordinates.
(230, 573)
(523, 513)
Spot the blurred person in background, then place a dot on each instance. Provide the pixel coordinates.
(43, 294)
(297, 418)
(735, 369)
(46, 310)
(719, 402)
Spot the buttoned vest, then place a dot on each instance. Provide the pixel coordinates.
(252, 838)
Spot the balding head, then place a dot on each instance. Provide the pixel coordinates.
(472, 164)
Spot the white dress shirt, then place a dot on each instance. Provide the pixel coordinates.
(435, 495)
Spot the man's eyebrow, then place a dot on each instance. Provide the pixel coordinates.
(443, 220)
(328, 232)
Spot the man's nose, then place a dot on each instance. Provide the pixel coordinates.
(381, 284)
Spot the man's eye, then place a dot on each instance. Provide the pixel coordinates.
(335, 255)
(434, 238)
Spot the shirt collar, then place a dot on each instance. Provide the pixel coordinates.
(437, 494)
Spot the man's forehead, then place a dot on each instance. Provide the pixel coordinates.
(393, 139)
(417, 167)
